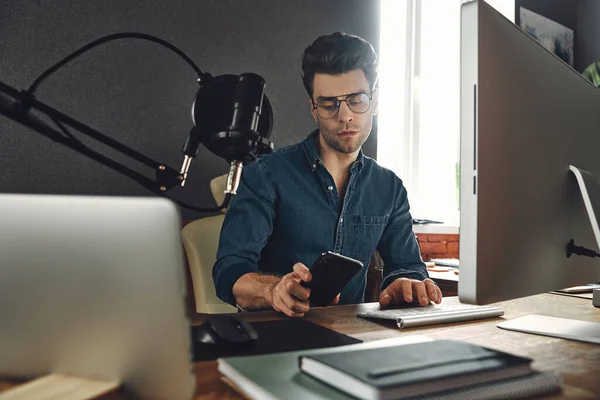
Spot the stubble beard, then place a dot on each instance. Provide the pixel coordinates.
(343, 146)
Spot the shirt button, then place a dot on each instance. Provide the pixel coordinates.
(314, 166)
(341, 220)
(330, 188)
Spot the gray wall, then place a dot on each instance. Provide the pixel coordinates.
(140, 93)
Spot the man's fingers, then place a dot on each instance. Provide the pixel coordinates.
(285, 302)
(420, 292)
(385, 298)
(291, 307)
(293, 303)
(411, 291)
(398, 291)
(290, 313)
(439, 298)
(406, 290)
(293, 287)
(431, 289)
(302, 272)
(297, 290)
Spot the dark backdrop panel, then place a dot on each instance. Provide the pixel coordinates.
(141, 94)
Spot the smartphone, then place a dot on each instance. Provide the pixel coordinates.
(331, 272)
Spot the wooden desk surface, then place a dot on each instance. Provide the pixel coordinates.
(577, 363)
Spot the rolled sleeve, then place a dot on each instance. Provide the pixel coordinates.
(246, 229)
(398, 247)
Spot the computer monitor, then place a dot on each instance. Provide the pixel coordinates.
(526, 117)
(94, 287)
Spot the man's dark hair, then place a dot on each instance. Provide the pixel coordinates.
(336, 54)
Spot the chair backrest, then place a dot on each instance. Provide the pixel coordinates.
(217, 187)
(201, 241)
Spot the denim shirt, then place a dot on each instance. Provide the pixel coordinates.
(287, 210)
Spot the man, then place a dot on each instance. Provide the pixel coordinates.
(322, 195)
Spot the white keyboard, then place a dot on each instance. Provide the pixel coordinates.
(434, 314)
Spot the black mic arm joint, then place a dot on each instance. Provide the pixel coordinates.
(167, 177)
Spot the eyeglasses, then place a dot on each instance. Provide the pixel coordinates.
(358, 103)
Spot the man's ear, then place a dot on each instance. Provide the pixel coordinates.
(375, 99)
(313, 111)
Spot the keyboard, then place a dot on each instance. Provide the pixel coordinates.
(406, 317)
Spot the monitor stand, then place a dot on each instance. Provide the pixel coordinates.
(589, 186)
(65, 387)
(563, 327)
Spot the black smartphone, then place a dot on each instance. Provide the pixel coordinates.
(331, 272)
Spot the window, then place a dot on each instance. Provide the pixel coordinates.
(419, 105)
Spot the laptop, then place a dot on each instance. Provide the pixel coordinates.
(94, 287)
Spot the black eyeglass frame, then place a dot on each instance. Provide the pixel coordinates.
(338, 103)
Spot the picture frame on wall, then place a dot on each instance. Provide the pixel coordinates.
(556, 38)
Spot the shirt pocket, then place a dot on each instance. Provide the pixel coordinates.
(367, 231)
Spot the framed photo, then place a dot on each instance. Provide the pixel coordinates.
(555, 37)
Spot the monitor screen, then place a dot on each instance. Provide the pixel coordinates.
(527, 119)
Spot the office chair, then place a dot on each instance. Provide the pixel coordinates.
(200, 241)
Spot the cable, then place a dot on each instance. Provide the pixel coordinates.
(105, 39)
(572, 248)
(94, 154)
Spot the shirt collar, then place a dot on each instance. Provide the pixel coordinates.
(312, 155)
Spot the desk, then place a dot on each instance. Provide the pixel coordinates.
(577, 363)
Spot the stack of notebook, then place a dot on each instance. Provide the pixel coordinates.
(389, 369)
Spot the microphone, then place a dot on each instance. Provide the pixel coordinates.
(234, 177)
(233, 119)
(190, 151)
(247, 107)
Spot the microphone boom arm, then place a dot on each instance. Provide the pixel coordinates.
(16, 104)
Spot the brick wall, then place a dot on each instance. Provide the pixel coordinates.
(438, 246)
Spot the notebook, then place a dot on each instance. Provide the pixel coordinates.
(450, 310)
(413, 370)
(278, 376)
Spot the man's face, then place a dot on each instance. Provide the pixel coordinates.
(347, 130)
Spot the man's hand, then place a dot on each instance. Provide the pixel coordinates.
(404, 290)
(258, 291)
(288, 296)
